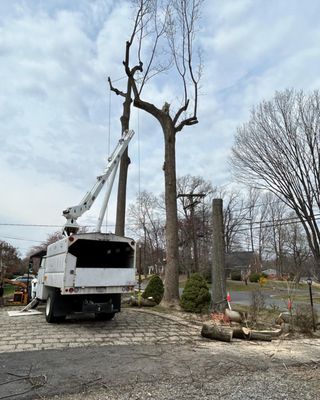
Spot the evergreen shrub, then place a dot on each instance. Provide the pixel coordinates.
(254, 277)
(236, 276)
(196, 296)
(154, 289)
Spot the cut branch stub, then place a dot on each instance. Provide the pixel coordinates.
(115, 90)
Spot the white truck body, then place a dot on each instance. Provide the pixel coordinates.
(87, 268)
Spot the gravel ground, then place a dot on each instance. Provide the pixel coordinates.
(292, 383)
(210, 370)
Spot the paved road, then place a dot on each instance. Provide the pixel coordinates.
(243, 297)
(140, 355)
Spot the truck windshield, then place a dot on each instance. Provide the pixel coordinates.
(102, 254)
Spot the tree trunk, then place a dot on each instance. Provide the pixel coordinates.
(219, 294)
(194, 240)
(171, 290)
(317, 265)
(122, 192)
(123, 171)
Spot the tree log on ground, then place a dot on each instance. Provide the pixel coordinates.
(142, 302)
(249, 334)
(213, 331)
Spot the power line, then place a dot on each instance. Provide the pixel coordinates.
(260, 205)
(279, 220)
(31, 225)
(26, 240)
(49, 226)
(274, 224)
(118, 79)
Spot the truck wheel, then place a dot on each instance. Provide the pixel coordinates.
(50, 309)
(105, 316)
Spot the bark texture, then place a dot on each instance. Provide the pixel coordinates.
(219, 294)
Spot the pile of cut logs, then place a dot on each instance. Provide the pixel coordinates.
(218, 329)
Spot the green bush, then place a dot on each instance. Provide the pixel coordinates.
(154, 289)
(236, 276)
(254, 277)
(196, 296)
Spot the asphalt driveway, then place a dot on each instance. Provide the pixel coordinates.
(143, 355)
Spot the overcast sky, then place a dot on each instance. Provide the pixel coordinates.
(58, 120)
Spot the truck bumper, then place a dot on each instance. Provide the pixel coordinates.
(98, 308)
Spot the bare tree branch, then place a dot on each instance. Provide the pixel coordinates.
(278, 149)
(113, 89)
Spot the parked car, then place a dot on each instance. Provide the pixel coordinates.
(24, 278)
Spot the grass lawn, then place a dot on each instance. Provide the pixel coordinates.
(273, 285)
(238, 286)
(302, 298)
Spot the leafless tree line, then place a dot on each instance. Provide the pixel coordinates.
(254, 221)
(279, 150)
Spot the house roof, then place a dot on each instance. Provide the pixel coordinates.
(239, 259)
(270, 271)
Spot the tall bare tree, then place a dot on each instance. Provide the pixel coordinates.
(234, 215)
(147, 222)
(279, 149)
(298, 250)
(278, 232)
(125, 125)
(125, 161)
(170, 26)
(192, 191)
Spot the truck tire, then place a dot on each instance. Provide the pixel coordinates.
(105, 316)
(50, 309)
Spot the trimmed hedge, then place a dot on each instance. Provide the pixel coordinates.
(154, 289)
(196, 296)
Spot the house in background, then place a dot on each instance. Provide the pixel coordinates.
(241, 261)
(270, 273)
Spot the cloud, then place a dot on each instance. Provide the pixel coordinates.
(55, 131)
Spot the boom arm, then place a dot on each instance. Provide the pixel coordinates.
(73, 213)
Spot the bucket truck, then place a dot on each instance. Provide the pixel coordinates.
(88, 272)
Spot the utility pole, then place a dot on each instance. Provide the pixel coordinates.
(219, 294)
(193, 202)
